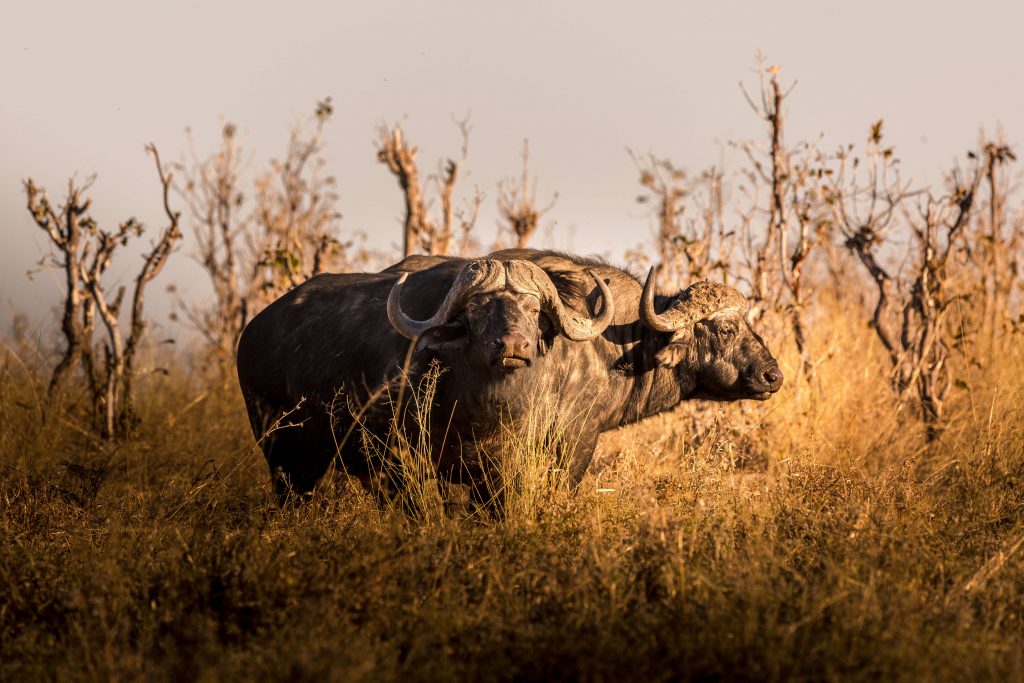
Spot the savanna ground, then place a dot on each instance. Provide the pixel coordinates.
(816, 536)
(866, 523)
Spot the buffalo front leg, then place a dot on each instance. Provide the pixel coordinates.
(578, 455)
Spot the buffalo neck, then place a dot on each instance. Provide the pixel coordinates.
(487, 395)
(653, 389)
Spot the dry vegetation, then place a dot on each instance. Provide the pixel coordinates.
(867, 523)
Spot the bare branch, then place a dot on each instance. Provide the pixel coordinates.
(420, 229)
(517, 203)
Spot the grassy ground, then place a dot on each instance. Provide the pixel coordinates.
(812, 537)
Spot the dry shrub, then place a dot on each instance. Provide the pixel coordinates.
(256, 242)
(84, 251)
(422, 230)
(517, 206)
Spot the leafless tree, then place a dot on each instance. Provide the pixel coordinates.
(422, 231)
(212, 191)
(693, 239)
(998, 239)
(665, 187)
(468, 244)
(296, 215)
(517, 203)
(780, 238)
(912, 305)
(707, 241)
(86, 252)
(68, 228)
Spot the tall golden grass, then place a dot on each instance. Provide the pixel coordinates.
(816, 536)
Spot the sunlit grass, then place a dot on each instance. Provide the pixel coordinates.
(814, 536)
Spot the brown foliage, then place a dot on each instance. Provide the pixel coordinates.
(920, 315)
(795, 201)
(848, 551)
(779, 240)
(693, 241)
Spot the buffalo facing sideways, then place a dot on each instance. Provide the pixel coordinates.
(658, 351)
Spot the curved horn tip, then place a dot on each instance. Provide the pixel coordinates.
(663, 322)
(603, 320)
(602, 285)
(651, 282)
(403, 324)
(584, 329)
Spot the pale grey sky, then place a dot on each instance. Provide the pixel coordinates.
(86, 84)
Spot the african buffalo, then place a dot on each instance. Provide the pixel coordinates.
(658, 351)
(642, 356)
(330, 357)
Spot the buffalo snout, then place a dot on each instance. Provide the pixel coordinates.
(772, 378)
(513, 350)
(762, 380)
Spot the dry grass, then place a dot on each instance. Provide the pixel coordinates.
(811, 537)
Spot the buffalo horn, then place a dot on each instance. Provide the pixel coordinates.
(530, 278)
(475, 275)
(697, 302)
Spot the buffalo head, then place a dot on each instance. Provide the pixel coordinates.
(712, 345)
(499, 313)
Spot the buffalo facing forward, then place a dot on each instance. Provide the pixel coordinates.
(326, 359)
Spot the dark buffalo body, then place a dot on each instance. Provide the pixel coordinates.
(313, 360)
(334, 333)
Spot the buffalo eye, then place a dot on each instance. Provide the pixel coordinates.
(727, 331)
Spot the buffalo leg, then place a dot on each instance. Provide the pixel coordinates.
(579, 455)
(295, 465)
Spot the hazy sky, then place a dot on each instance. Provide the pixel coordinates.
(86, 84)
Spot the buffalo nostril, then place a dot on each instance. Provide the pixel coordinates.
(773, 377)
(514, 343)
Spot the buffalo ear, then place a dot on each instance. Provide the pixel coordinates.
(547, 336)
(445, 337)
(672, 355)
